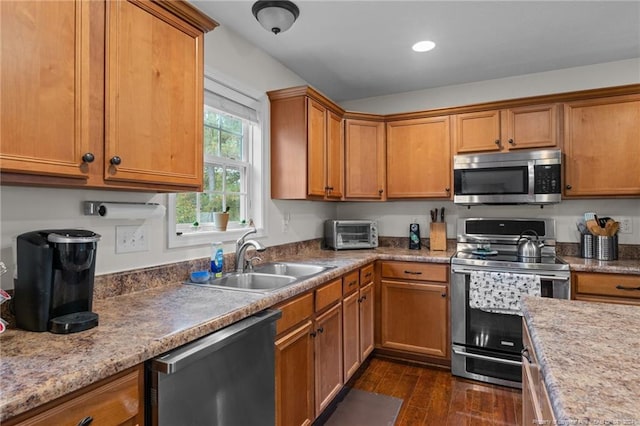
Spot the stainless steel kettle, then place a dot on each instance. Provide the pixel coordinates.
(529, 250)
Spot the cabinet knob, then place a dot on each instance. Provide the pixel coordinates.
(568, 186)
(321, 330)
(86, 421)
(88, 158)
(447, 189)
(497, 142)
(511, 142)
(115, 160)
(312, 334)
(443, 294)
(380, 191)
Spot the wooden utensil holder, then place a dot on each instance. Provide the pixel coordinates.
(438, 236)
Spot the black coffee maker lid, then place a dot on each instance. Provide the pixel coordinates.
(72, 236)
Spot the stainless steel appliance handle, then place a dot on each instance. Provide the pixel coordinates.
(542, 277)
(185, 355)
(486, 358)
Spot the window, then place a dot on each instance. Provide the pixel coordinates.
(232, 164)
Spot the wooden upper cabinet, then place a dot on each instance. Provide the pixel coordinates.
(419, 158)
(532, 126)
(602, 147)
(364, 159)
(108, 92)
(44, 93)
(307, 145)
(154, 96)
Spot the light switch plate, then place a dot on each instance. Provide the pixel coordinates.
(132, 238)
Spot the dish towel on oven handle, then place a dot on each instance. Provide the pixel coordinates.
(500, 292)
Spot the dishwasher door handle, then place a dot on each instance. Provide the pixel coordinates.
(198, 349)
(486, 358)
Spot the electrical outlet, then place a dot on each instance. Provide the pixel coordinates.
(625, 225)
(131, 238)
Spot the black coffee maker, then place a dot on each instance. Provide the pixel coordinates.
(54, 284)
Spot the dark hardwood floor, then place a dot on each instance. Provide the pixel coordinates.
(433, 396)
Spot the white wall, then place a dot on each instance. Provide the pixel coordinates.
(24, 209)
(565, 80)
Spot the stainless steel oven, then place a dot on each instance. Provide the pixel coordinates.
(486, 343)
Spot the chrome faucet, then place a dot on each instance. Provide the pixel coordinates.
(242, 264)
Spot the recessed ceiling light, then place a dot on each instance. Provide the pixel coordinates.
(423, 46)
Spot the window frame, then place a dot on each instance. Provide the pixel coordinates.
(256, 180)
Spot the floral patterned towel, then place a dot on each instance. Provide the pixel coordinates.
(500, 292)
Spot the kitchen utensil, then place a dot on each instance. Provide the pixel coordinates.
(582, 228)
(589, 216)
(528, 249)
(594, 227)
(611, 228)
(442, 214)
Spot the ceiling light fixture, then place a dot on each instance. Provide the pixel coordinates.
(275, 16)
(423, 46)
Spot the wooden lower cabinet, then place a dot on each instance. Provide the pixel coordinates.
(536, 406)
(117, 400)
(294, 377)
(609, 288)
(415, 314)
(328, 356)
(366, 312)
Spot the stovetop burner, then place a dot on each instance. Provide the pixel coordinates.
(493, 244)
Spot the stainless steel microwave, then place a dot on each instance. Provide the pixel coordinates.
(350, 234)
(528, 177)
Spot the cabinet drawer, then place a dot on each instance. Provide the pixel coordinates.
(608, 285)
(350, 282)
(294, 311)
(328, 294)
(113, 402)
(415, 271)
(366, 275)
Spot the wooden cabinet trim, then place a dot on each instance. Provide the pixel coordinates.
(328, 294)
(415, 271)
(294, 311)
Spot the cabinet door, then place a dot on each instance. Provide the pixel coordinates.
(419, 158)
(154, 96)
(44, 89)
(415, 317)
(477, 132)
(316, 157)
(335, 156)
(364, 159)
(328, 360)
(601, 147)
(366, 311)
(351, 333)
(531, 127)
(294, 377)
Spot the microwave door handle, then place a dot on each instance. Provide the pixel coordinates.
(532, 180)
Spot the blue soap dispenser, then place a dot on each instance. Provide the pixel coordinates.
(217, 260)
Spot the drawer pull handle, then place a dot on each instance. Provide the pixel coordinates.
(412, 272)
(321, 330)
(352, 283)
(525, 354)
(86, 421)
(621, 287)
(367, 275)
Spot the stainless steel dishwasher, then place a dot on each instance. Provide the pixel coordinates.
(224, 379)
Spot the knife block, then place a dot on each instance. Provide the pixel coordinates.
(438, 236)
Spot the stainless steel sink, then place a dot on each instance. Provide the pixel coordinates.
(292, 269)
(266, 277)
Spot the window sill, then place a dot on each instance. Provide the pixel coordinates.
(206, 237)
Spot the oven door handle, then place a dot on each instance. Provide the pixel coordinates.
(542, 277)
(486, 358)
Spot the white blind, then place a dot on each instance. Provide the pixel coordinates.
(228, 100)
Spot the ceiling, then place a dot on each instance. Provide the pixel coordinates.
(357, 49)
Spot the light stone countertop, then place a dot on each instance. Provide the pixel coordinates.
(36, 368)
(588, 355)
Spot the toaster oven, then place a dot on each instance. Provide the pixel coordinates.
(350, 234)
